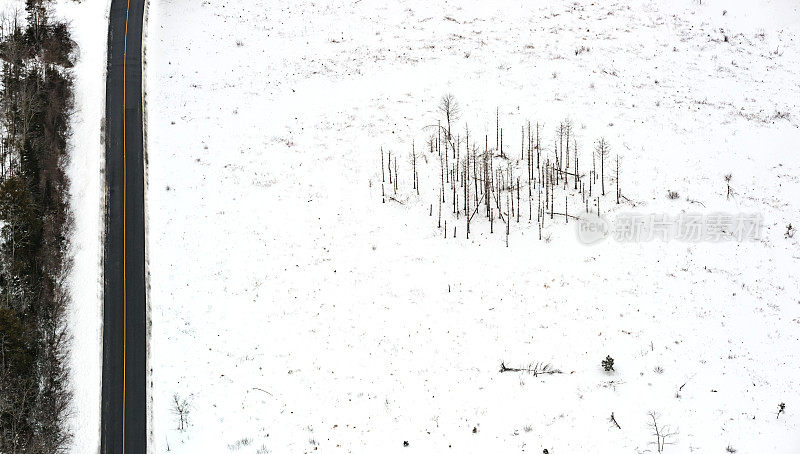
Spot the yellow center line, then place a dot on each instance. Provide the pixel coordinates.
(124, 230)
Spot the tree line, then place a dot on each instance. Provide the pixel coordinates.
(35, 107)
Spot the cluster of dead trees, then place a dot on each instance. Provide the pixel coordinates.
(533, 178)
(35, 104)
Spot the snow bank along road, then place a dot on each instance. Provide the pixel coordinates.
(123, 413)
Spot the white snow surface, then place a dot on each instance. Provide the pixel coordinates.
(298, 313)
(88, 21)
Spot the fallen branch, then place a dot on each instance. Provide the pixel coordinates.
(614, 420)
(555, 213)
(678, 392)
(632, 202)
(535, 369)
(263, 391)
(696, 201)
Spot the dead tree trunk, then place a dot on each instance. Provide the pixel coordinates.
(617, 179)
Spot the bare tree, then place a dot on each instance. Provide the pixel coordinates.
(414, 178)
(662, 433)
(728, 178)
(602, 151)
(616, 179)
(538, 145)
(181, 409)
(567, 128)
(451, 110)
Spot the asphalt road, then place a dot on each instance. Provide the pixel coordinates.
(123, 425)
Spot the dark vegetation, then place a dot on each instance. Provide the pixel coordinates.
(608, 364)
(35, 105)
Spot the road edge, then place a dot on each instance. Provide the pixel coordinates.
(148, 301)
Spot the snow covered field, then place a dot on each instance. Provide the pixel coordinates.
(297, 313)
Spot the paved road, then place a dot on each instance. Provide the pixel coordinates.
(123, 426)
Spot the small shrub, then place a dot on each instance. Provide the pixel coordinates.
(239, 444)
(672, 195)
(608, 363)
